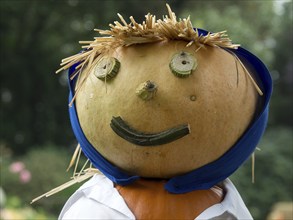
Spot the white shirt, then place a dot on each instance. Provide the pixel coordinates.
(99, 199)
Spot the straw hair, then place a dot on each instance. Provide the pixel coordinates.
(151, 30)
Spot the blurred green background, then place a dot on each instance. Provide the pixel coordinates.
(36, 141)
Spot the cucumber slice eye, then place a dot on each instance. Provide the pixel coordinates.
(182, 64)
(107, 68)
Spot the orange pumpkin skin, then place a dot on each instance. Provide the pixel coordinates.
(224, 104)
(148, 199)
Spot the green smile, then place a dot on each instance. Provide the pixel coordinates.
(122, 129)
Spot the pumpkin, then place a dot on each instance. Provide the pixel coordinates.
(215, 102)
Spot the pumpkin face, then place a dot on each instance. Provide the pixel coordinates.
(215, 103)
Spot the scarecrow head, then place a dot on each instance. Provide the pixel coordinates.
(162, 99)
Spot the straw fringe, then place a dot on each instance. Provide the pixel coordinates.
(150, 31)
(237, 60)
(88, 173)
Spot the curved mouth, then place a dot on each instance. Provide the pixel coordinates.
(122, 129)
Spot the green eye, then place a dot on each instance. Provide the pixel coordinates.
(182, 64)
(107, 68)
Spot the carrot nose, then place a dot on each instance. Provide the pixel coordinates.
(147, 90)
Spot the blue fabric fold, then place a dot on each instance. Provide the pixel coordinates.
(210, 174)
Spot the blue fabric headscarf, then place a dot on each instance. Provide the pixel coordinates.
(208, 175)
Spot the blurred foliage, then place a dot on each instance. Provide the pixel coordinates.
(15, 210)
(35, 35)
(47, 166)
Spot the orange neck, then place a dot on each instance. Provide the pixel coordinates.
(148, 199)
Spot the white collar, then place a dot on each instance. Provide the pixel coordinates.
(100, 189)
(232, 204)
